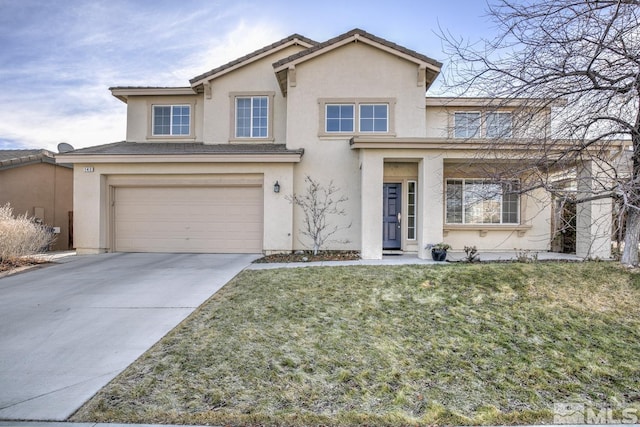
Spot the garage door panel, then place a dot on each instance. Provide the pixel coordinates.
(191, 219)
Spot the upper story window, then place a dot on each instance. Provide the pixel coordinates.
(339, 117)
(374, 118)
(354, 117)
(469, 124)
(171, 120)
(475, 201)
(466, 125)
(252, 117)
(498, 125)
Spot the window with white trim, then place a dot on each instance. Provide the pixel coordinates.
(411, 210)
(252, 117)
(476, 201)
(339, 118)
(498, 125)
(466, 124)
(356, 116)
(374, 118)
(171, 120)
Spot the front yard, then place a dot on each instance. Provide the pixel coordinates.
(451, 344)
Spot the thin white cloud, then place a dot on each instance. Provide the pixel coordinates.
(59, 58)
(239, 41)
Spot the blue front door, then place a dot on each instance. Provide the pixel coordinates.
(391, 230)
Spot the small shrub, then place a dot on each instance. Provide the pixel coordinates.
(21, 235)
(526, 256)
(471, 254)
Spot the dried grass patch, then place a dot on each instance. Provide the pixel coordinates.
(420, 345)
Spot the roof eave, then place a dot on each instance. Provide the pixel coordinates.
(290, 157)
(124, 92)
(295, 40)
(359, 36)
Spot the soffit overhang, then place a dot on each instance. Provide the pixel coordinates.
(444, 144)
(124, 92)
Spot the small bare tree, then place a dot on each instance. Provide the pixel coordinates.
(318, 204)
(580, 61)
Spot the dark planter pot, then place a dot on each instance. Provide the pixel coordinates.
(439, 254)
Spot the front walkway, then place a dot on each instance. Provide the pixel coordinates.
(405, 259)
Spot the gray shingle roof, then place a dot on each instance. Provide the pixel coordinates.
(362, 33)
(14, 158)
(251, 55)
(182, 148)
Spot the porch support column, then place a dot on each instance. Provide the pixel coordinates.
(430, 203)
(593, 218)
(371, 176)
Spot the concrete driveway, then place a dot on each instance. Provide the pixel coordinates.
(66, 330)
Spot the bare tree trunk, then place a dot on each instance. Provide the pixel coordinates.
(631, 239)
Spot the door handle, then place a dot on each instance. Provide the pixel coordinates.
(399, 216)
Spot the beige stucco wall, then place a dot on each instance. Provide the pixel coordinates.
(348, 73)
(437, 119)
(93, 195)
(139, 110)
(41, 185)
(254, 79)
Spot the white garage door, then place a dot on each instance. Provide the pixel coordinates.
(188, 219)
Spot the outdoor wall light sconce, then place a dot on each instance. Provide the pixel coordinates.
(276, 187)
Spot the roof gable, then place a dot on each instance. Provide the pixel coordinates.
(429, 67)
(292, 40)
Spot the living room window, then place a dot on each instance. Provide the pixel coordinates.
(476, 201)
(171, 120)
(466, 124)
(498, 125)
(252, 117)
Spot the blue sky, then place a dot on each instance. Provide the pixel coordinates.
(59, 57)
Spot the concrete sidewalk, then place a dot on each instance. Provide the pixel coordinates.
(405, 259)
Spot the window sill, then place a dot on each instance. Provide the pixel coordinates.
(171, 138)
(252, 140)
(484, 229)
(349, 135)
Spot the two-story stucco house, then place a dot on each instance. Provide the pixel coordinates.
(200, 164)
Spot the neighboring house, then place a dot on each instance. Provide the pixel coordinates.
(199, 165)
(32, 182)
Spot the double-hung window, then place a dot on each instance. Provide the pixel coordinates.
(252, 117)
(498, 125)
(466, 125)
(475, 201)
(171, 120)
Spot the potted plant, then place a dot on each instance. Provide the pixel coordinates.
(439, 251)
